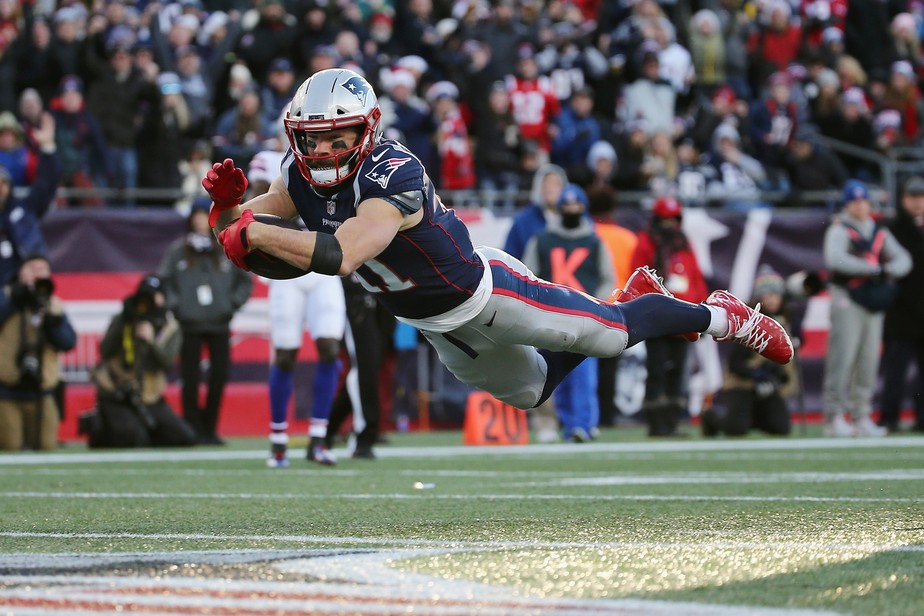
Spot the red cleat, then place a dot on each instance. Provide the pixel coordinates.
(751, 329)
(644, 281)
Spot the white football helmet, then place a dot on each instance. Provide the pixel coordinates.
(332, 99)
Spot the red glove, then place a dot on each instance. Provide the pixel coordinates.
(235, 242)
(226, 185)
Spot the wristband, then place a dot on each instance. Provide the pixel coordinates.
(327, 256)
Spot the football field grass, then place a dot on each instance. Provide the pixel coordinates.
(624, 525)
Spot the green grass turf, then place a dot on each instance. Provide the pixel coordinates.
(738, 523)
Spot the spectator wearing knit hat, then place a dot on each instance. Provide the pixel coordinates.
(278, 90)
(403, 110)
(242, 131)
(773, 121)
(498, 141)
(117, 97)
(501, 30)
(707, 50)
(863, 260)
(273, 36)
(824, 98)
(535, 105)
(852, 124)
(578, 129)
(164, 133)
(649, 97)
(755, 391)
(80, 141)
(453, 146)
(774, 44)
(810, 165)
(723, 107)
(739, 178)
(904, 96)
(906, 40)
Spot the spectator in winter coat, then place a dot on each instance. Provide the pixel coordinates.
(812, 165)
(707, 49)
(773, 121)
(664, 247)
(578, 130)
(278, 90)
(204, 291)
(570, 252)
(274, 36)
(738, 178)
(548, 182)
(774, 44)
(118, 97)
(862, 258)
(164, 131)
(852, 124)
(650, 97)
(20, 236)
(497, 147)
(903, 332)
(904, 96)
(535, 105)
(81, 145)
(407, 113)
(453, 147)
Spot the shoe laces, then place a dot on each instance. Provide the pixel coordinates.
(751, 335)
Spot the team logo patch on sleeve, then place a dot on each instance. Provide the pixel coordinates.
(382, 172)
(357, 87)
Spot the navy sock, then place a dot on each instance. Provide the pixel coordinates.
(560, 363)
(653, 316)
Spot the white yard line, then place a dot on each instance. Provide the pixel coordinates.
(805, 446)
(463, 497)
(469, 545)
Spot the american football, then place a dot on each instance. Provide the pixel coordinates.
(267, 265)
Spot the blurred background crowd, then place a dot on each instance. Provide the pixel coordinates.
(715, 102)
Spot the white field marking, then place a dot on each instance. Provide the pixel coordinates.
(480, 545)
(314, 472)
(803, 445)
(432, 496)
(726, 477)
(364, 583)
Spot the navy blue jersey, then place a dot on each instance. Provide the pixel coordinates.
(426, 270)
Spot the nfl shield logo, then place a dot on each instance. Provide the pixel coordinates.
(331, 207)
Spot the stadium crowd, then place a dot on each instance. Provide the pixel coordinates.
(713, 101)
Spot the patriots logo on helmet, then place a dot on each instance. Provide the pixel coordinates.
(357, 87)
(382, 172)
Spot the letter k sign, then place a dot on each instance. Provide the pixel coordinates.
(564, 266)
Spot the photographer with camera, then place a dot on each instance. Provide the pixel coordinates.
(755, 393)
(33, 330)
(140, 345)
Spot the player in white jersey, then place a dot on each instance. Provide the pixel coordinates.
(315, 303)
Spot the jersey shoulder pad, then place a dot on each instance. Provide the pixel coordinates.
(389, 169)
